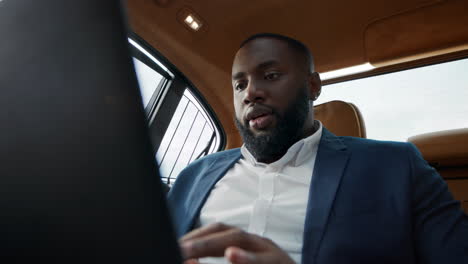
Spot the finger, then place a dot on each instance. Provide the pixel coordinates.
(214, 245)
(237, 255)
(206, 230)
(191, 261)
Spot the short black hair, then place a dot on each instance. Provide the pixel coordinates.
(300, 48)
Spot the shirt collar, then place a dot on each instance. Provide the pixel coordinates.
(296, 154)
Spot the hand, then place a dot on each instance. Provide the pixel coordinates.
(238, 246)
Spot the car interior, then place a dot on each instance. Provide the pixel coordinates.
(390, 70)
(197, 40)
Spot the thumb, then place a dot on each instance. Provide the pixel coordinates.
(191, 261)
(237, 255)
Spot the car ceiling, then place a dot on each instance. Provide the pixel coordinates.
(392, 35)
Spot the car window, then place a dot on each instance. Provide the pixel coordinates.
(190, 135)
(181, 125)
(399, 105)
(148, 79)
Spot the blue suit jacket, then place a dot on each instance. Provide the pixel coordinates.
(369, 202)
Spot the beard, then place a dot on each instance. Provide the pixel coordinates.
(271, 145)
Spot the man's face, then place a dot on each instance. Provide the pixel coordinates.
(271, 93)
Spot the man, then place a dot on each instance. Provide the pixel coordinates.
(296, 193)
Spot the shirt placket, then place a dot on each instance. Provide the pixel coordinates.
(262, 205)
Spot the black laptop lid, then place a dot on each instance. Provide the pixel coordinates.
(78, 180)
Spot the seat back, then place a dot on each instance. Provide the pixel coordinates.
(447, 151)
(341, 118)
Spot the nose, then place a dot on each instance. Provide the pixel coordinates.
(254, 93)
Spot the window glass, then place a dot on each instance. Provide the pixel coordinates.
(148, 80)
(399, 105)
(181, 134)
(190, 135)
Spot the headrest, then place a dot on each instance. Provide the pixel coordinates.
(341, 118)
(444, 148)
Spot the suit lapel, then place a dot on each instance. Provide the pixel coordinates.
(202, 188)
(331, 160)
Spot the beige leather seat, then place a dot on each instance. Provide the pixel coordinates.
(447, 151)
(341, 118)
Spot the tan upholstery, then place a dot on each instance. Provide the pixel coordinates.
(447, 151)
(444, 148)
(341, 118)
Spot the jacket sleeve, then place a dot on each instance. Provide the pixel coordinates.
(178, 197)
(440, 226)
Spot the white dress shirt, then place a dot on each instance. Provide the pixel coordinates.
(269, 200)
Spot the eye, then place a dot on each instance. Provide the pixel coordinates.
(271, 76)
(240, 85)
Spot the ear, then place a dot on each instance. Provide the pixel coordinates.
(315, 85)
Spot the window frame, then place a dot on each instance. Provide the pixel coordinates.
(175, 81)
(329, 85)
(409, 65)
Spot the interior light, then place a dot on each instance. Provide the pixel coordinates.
(195, 25)
(192, 21)
(346, 71)
(189, 19)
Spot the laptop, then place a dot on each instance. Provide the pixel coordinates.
(78, 179)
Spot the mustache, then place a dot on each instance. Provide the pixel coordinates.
(258, 107)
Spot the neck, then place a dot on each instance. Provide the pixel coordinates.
(310, 126)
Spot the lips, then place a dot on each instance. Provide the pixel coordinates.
(259, 117)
